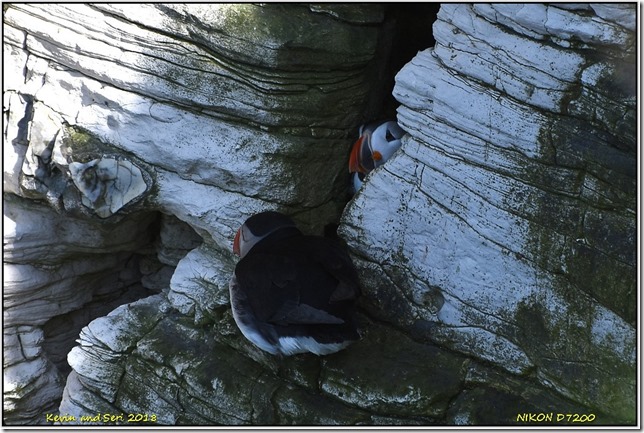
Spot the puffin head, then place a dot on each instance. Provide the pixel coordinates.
(377, 142)
(257, 228)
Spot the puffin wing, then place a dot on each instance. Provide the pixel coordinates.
(333, 258)
(266, 281)
(274, 286)
(303, 314)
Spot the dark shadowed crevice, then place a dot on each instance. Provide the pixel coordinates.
(412, 32)
(406, 30)
(142, 273)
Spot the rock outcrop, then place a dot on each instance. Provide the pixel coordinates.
(123, 119)
(505, 229)
(497, 248)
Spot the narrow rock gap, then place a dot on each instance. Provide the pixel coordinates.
(407, 29)
(410, 27)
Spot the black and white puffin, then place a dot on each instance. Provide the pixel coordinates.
(292, 293)
(377, 142)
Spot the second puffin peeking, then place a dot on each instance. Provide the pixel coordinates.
(377, 143)
(292, 293)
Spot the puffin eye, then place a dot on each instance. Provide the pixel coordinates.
(389, 136)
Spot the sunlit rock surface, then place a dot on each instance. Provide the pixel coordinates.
(125, 121)
(505, 229)
(496, 248)
(107, 184)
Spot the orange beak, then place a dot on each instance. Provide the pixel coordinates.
(354, 158)
(236, 243)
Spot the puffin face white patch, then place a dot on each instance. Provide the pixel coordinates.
(385, 141)
(247, 240)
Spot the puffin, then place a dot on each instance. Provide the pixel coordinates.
(377, 143)
(291, 293)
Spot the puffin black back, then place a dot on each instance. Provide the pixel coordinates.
(274, 238)
(293, 293)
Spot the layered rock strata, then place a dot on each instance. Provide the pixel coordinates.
(505, 228)
(122, 119)
(496, 248)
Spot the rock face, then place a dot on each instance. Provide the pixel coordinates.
(496, 248)
(505, 229)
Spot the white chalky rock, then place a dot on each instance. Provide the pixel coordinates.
(497, 246)
(107, 184)
(499, 198)
(115, 114)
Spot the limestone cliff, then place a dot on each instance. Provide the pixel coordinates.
(496, 249)
(505, 228)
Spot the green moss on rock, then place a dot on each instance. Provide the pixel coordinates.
(390, 374)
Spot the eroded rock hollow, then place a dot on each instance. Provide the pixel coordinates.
(496, 249)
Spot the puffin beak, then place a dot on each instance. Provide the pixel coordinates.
(354, 158)
(236, 250)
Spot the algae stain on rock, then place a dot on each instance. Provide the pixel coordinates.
(583, 238)
(577, 279)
